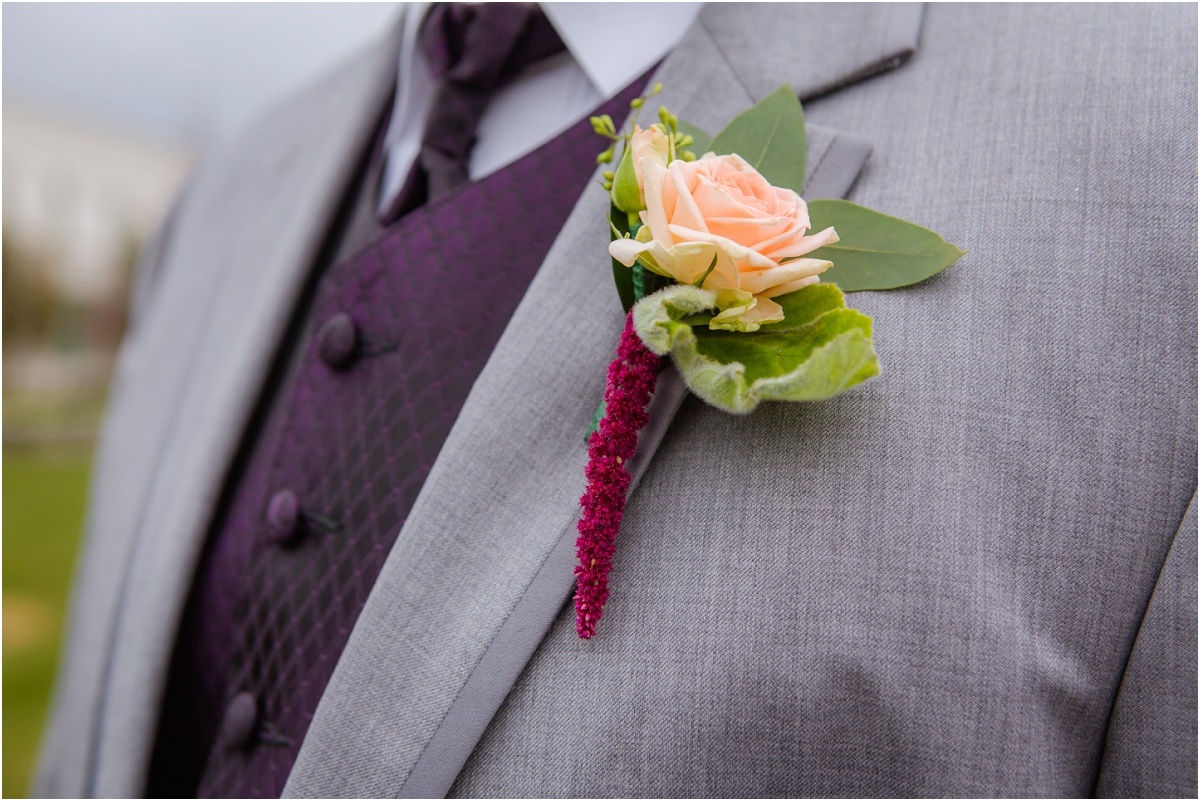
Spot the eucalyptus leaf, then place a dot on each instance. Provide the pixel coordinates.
(877, 251)
(703, 140)
(771, 137)
(819, 350)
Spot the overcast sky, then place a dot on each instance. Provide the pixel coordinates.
(192, 72)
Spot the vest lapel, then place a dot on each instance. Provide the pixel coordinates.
(483, 563)
(196, 365)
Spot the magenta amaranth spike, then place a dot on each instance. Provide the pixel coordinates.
(631, 380)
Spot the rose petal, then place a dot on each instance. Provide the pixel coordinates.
(748, 318)
(749, 231)
(764, 310)
(725, 281)
(787, 237)
(649, 143)
(763, 280)
(715, 200)
(655, 214)
(627, 251)
(689, 261)
(686, 212)
(806, 244)
(745, 258)
(797, 208)
(791, 286)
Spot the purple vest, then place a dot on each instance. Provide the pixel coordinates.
(382, 356)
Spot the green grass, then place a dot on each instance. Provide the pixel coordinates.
(44, 495)
(41, 419)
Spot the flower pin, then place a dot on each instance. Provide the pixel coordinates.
(719, 263)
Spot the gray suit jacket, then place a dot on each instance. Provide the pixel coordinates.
(975, 575)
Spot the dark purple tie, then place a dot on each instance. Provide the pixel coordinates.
(383, 355)
(472, 50)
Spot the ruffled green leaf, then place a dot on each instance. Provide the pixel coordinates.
(877, 251)
(770, 137)
(819, 350)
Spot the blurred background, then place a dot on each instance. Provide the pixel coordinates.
(105, 109)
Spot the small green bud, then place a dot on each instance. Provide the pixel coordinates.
(626, 194)
(609, 175)
(658, 87)
(598, 125)
(608, 124)
(688, 155)
(685, 140)
(607, 155)
(637, 102)
(665, 116)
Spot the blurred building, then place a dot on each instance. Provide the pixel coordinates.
(81, 194)
(80, 200)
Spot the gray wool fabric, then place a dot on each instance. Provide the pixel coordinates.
(973, 576)
(1154, 717)
(934, 587)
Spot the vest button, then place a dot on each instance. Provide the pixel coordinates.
(240, 723)
(283, 517)
(337, 340)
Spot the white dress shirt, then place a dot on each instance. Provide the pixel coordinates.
(604, 54)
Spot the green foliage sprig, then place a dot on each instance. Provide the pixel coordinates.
(820, 348)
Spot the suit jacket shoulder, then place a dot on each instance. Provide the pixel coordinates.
(214, 296)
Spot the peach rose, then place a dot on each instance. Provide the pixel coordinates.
(651, 144)
(719, 207)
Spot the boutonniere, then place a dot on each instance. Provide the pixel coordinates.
(721, 264)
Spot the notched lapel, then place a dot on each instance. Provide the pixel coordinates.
(816, 47)
(483, 563)
(502, 493)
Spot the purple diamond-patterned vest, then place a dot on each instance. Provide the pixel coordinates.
(382, 356)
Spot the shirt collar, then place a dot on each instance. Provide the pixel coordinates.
(610, 50)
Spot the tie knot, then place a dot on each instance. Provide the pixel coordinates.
(472, 50)
(485, 45)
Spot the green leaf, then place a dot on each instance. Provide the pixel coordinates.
(877, 251)
(596, 418)
(770, 137)
(646, 282)
(819, 350)
(622, 275)
(703, 141)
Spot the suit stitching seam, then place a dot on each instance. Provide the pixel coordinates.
(724, 56)
(817, 167)
(1133, 645)
(474, 668)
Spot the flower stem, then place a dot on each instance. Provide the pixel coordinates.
(631, 380)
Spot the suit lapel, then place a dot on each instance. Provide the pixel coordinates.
(483, 563)
(197, 362)
(816, 47)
